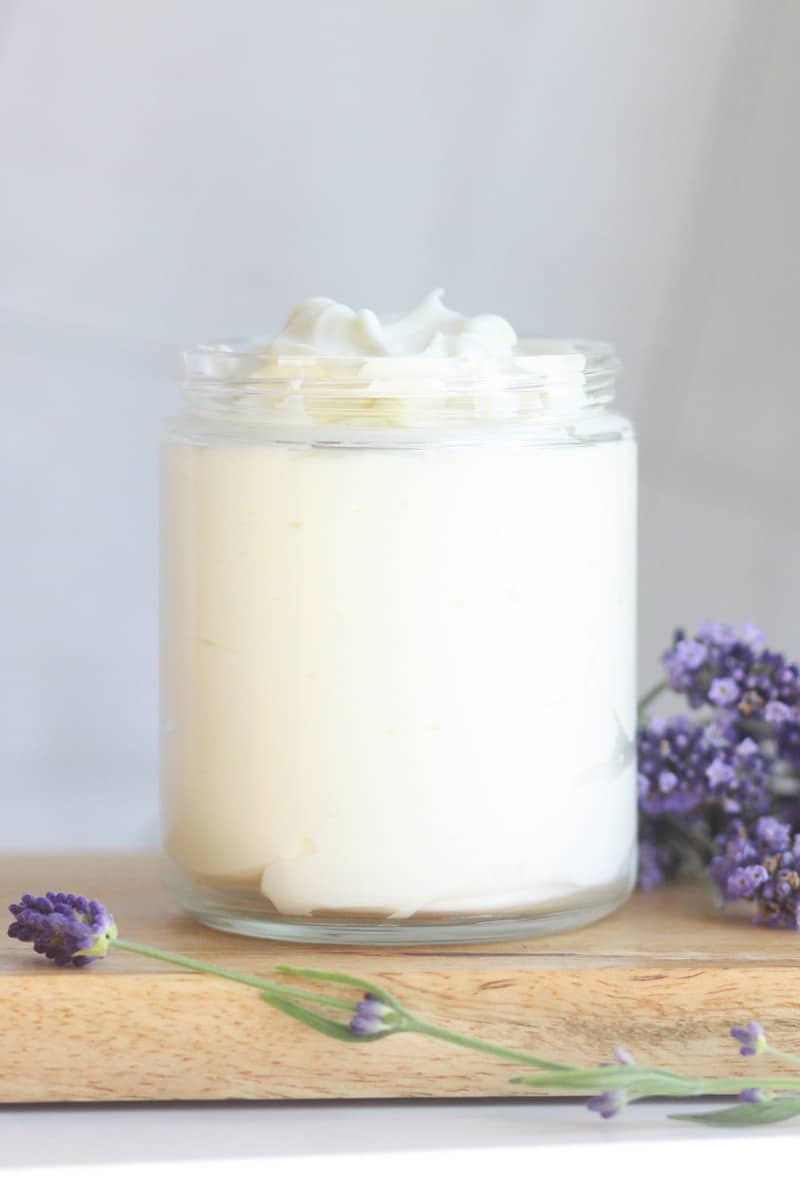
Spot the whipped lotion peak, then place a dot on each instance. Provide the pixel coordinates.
(328, 329)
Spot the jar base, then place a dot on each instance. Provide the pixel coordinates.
(237, 913)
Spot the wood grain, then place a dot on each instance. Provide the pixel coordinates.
(666, 977)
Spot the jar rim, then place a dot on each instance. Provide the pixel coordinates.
(540, 381)
(589, 355)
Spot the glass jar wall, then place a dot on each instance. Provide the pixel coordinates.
(398, 630)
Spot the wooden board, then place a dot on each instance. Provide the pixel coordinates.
(666, 977)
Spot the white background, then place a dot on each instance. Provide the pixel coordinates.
(180, 169)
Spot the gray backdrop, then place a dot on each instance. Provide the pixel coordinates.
(176, 169)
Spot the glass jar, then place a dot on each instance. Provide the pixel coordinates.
(398, 633)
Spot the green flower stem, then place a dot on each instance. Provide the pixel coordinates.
(658, 1083)
(756, 726)
(793, 1059)
(732, 1085)
(663, 1083)
(263, 985)
(410, 1024)
(504, 1052)
(648, 698)
(697, 841)
(351, 981)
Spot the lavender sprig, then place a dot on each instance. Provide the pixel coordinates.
(378, 1014)
(706, 784)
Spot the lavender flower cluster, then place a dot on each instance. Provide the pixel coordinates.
(739, 675)
(64, 927)
(724, 789)
(760, 863)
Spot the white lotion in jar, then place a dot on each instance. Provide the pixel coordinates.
(398, 644)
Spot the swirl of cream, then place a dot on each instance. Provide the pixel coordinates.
(326, 328)
(333, 365)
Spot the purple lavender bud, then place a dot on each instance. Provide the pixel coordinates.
(751, 1038)
(743, 882)
(747, 747)
(667, 782)
(623, 1057)
(752, 1095)
(720, 773)
(608, 1104)
(723, 692)
(785, 884)
(774, 834)
(690, 653)
(369, 1017)
(718, 734)
(64, 927)
(366, 1026)
(776, 712)
(719, 633)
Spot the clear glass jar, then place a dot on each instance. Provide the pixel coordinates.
(398, 633)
